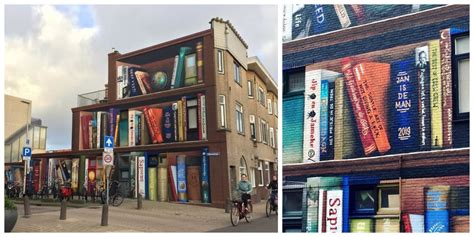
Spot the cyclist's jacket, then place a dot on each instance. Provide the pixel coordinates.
(244, 187)
(273, 185)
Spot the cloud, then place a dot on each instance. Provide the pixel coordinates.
(54, 53)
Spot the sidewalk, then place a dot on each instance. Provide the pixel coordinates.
(154, 217)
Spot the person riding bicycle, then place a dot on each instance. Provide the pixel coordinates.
(273, 186)
(244, 188)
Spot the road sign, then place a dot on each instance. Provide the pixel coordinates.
(213, 153)
(26, 153)
(109, 142)
(108, 158)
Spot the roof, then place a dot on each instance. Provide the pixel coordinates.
(256, 66)
(220, 20)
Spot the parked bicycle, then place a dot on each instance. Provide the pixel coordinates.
(239, 212)
(115, 196)
(13, 190)
(272, 203)
(65, 192)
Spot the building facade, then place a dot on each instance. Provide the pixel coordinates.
(376, 118)
(185, 122)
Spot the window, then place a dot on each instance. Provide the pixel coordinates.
(388, 200)
(243, 167)
(260, 173)
(270, 106)
(259, 130)
(191, 106)
(250, 88)
(272, 138)
(252, 176)
(222, 111)
(364, 201)
(220, 61)
(267, 171)
(253, 131)
(239, 118)
(237, 73)
(461, 76)
(296, 82)
(275, 107)
(292, 202)
(263, 131)
(36, 137)
(261, 96)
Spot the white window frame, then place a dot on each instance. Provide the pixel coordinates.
(275, 108)
(237, 73)
(267, 169)
(239, 117)
(253, 129)
(263, 129)
(243, 167)
(269, 106)
(222, 111)
(261, 96)
(260, 170)
(250, 88)
(252, 177)
(272, 138)
(259, 129)
(220, 61)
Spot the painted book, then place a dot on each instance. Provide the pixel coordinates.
(144, 81)
(322, 211)
(141, 176)
(343, 15)
(190, 70)
(323, 121)
(121, 72)
(175, 68)
(436, 99)
(312, 109)
(133, 176)
(199, 116)
(387, 225)
(123, 128)
(413, 223)
(312, 197)
(168, 124)
(423, 74)
(132, 81)
(436, 209)
(104, 126)
(138, 128)
(203, 120)
(152, 184)
(98, 131)
(174, 106)
(112, 119)
(301, 21)
(173, 183)
(145, 133)
(205, 187)
(180, 123)
(362, 225)
(180, 73)
(404, 134)
(331, 122)
(358, 109)
(458, 200)
(185, 118)
(85, 120)
(91, 134)
(334, 206)
(154, 116)
(193, 180)
(181, 178)
(131, 128)
(324, 19)
(446, 86)
(200, 65)
(459, 224)
(372, 82)
(116, 131)
(162, 184)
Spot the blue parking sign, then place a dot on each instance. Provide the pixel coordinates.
(26, 151)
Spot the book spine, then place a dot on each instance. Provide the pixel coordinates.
(339, 119)
(167, 124)
(91, 134)
(99, 129)
(125, 83)
(185, 117)
(180, 121)
(323, 130)
(406, 223)
(373, 112)
(110, 119)
(334, 211)
(436, 96)
(139, 76)
(404, 107)
(145, 133)
(132, 81)
(322, 211)
(203, 118)
(342, 15)
(422, 63)
(116, 134)
(149, 120)
(331, 110)
(311, 115)
(200, 75)
(363, 126)
(138, 127)
(175, 68)
(180, 68)
(436, 214)
(199, 116)
(131, 128)
(120, 78)
(146, 83)
(446, 85)
(172, 183)
(104, 126)
(175, 121)
(158, 124)
(181, 178)
(85, 132)
(312, 204)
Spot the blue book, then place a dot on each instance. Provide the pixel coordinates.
(324, 121)
(437, 221)
(181, 178)
(138, 126)
(404, 120)
(205, 187)
(437, 213)
(168, 124)
(324, 19)
(132, 82)
(331, 117)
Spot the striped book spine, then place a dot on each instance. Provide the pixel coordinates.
(331, 108)
(199, 54)
(446, 85)
(423, 69)
(339, 119)
(199, 115)
(203, 118)
(436, 96)
(323, 124)
(175, 67)
(185, 118)
(363, 126)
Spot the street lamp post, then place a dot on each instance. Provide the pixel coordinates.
(26, 200)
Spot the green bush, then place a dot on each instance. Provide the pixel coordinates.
(9, 205)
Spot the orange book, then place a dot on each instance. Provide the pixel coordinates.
(372, 82)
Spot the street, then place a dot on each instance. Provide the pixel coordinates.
(154, 217)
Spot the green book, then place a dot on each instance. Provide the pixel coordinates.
(362, 226)
(152, 182)
(179, 82)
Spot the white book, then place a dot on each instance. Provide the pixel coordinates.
(334, 211)
(173, 78)
(203, 118)
(131, 128)
(120, 78)
(98, 123)
(141, 175)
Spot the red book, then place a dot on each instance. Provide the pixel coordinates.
(199, 116)
(153, 117)
(406, 223)
(174, 194)
(446, 87)
(358, 109)
(199, 62)
(85, 130)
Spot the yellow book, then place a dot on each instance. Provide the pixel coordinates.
(180, 121)
(435, 96)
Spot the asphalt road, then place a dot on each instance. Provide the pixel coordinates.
(262, 224)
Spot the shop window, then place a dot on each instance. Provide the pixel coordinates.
(220, 61)
(460, 69)
(239, 118)
(364, 201)
(222, 111)
(237, 73)
(292, 202)
(388, 200)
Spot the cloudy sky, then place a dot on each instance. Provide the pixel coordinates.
(54, 53)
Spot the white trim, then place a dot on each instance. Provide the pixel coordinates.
(220, 61)
(222, 112)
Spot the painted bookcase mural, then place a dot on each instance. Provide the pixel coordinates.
(389, 101)
(301, 20)
(368, 204)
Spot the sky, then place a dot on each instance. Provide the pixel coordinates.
(54, 53)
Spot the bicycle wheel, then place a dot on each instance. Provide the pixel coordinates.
(117, 200)
(234, 215)
(248, 216)
(268, 207)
